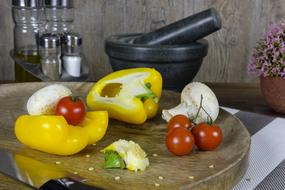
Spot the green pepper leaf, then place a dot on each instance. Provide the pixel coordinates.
(113, 160)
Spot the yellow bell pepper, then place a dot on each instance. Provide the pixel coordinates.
(52, 134)
(129, 95)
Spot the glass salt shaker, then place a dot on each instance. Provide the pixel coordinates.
(71, 55)
(50, 52)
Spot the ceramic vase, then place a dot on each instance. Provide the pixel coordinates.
(273, 90)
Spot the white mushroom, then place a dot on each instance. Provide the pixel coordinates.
(43, 101)
(192, 96)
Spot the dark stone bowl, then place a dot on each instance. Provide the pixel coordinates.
(178, 64)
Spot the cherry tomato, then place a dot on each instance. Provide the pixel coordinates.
(179, 121)
(151, 108)
(72, 108)
(207, 137)
(180, 141)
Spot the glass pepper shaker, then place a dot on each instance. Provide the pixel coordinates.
(71, 54)
(50, 52)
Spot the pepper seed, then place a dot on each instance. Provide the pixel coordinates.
(91, 169)
(117, 178)
(211, 166)
(57, 162)
(156, 184)
(160, 177)
(191, 177)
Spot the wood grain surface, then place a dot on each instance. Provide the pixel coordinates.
(243, 23)
(229, 161)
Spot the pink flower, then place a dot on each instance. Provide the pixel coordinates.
(268, 57)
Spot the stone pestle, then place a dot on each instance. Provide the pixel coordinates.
(187, 30)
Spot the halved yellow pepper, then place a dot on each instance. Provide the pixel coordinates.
(129, 95)
(52, 134)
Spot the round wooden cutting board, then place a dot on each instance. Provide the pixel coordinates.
(215, 170)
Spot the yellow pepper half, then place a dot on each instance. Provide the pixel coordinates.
(52, 134)
(129, 95)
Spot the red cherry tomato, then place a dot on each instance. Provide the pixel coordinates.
(72, 108)
(178, 121)
(207, 137)
(180, 141)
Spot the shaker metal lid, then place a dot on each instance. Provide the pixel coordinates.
(28, 3)
(59, 3)
(71, 39)
(50, 40)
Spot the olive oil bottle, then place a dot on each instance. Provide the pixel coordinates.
(29, 21)
(22, 75)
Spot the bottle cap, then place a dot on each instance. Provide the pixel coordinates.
(71, 39)
(49, 41)
(28, 3)
(59, 3)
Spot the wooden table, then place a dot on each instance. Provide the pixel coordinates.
(246, 97)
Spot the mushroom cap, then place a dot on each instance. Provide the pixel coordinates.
(192, 94)
(44, 100)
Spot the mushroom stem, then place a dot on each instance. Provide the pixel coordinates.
(179, 109)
